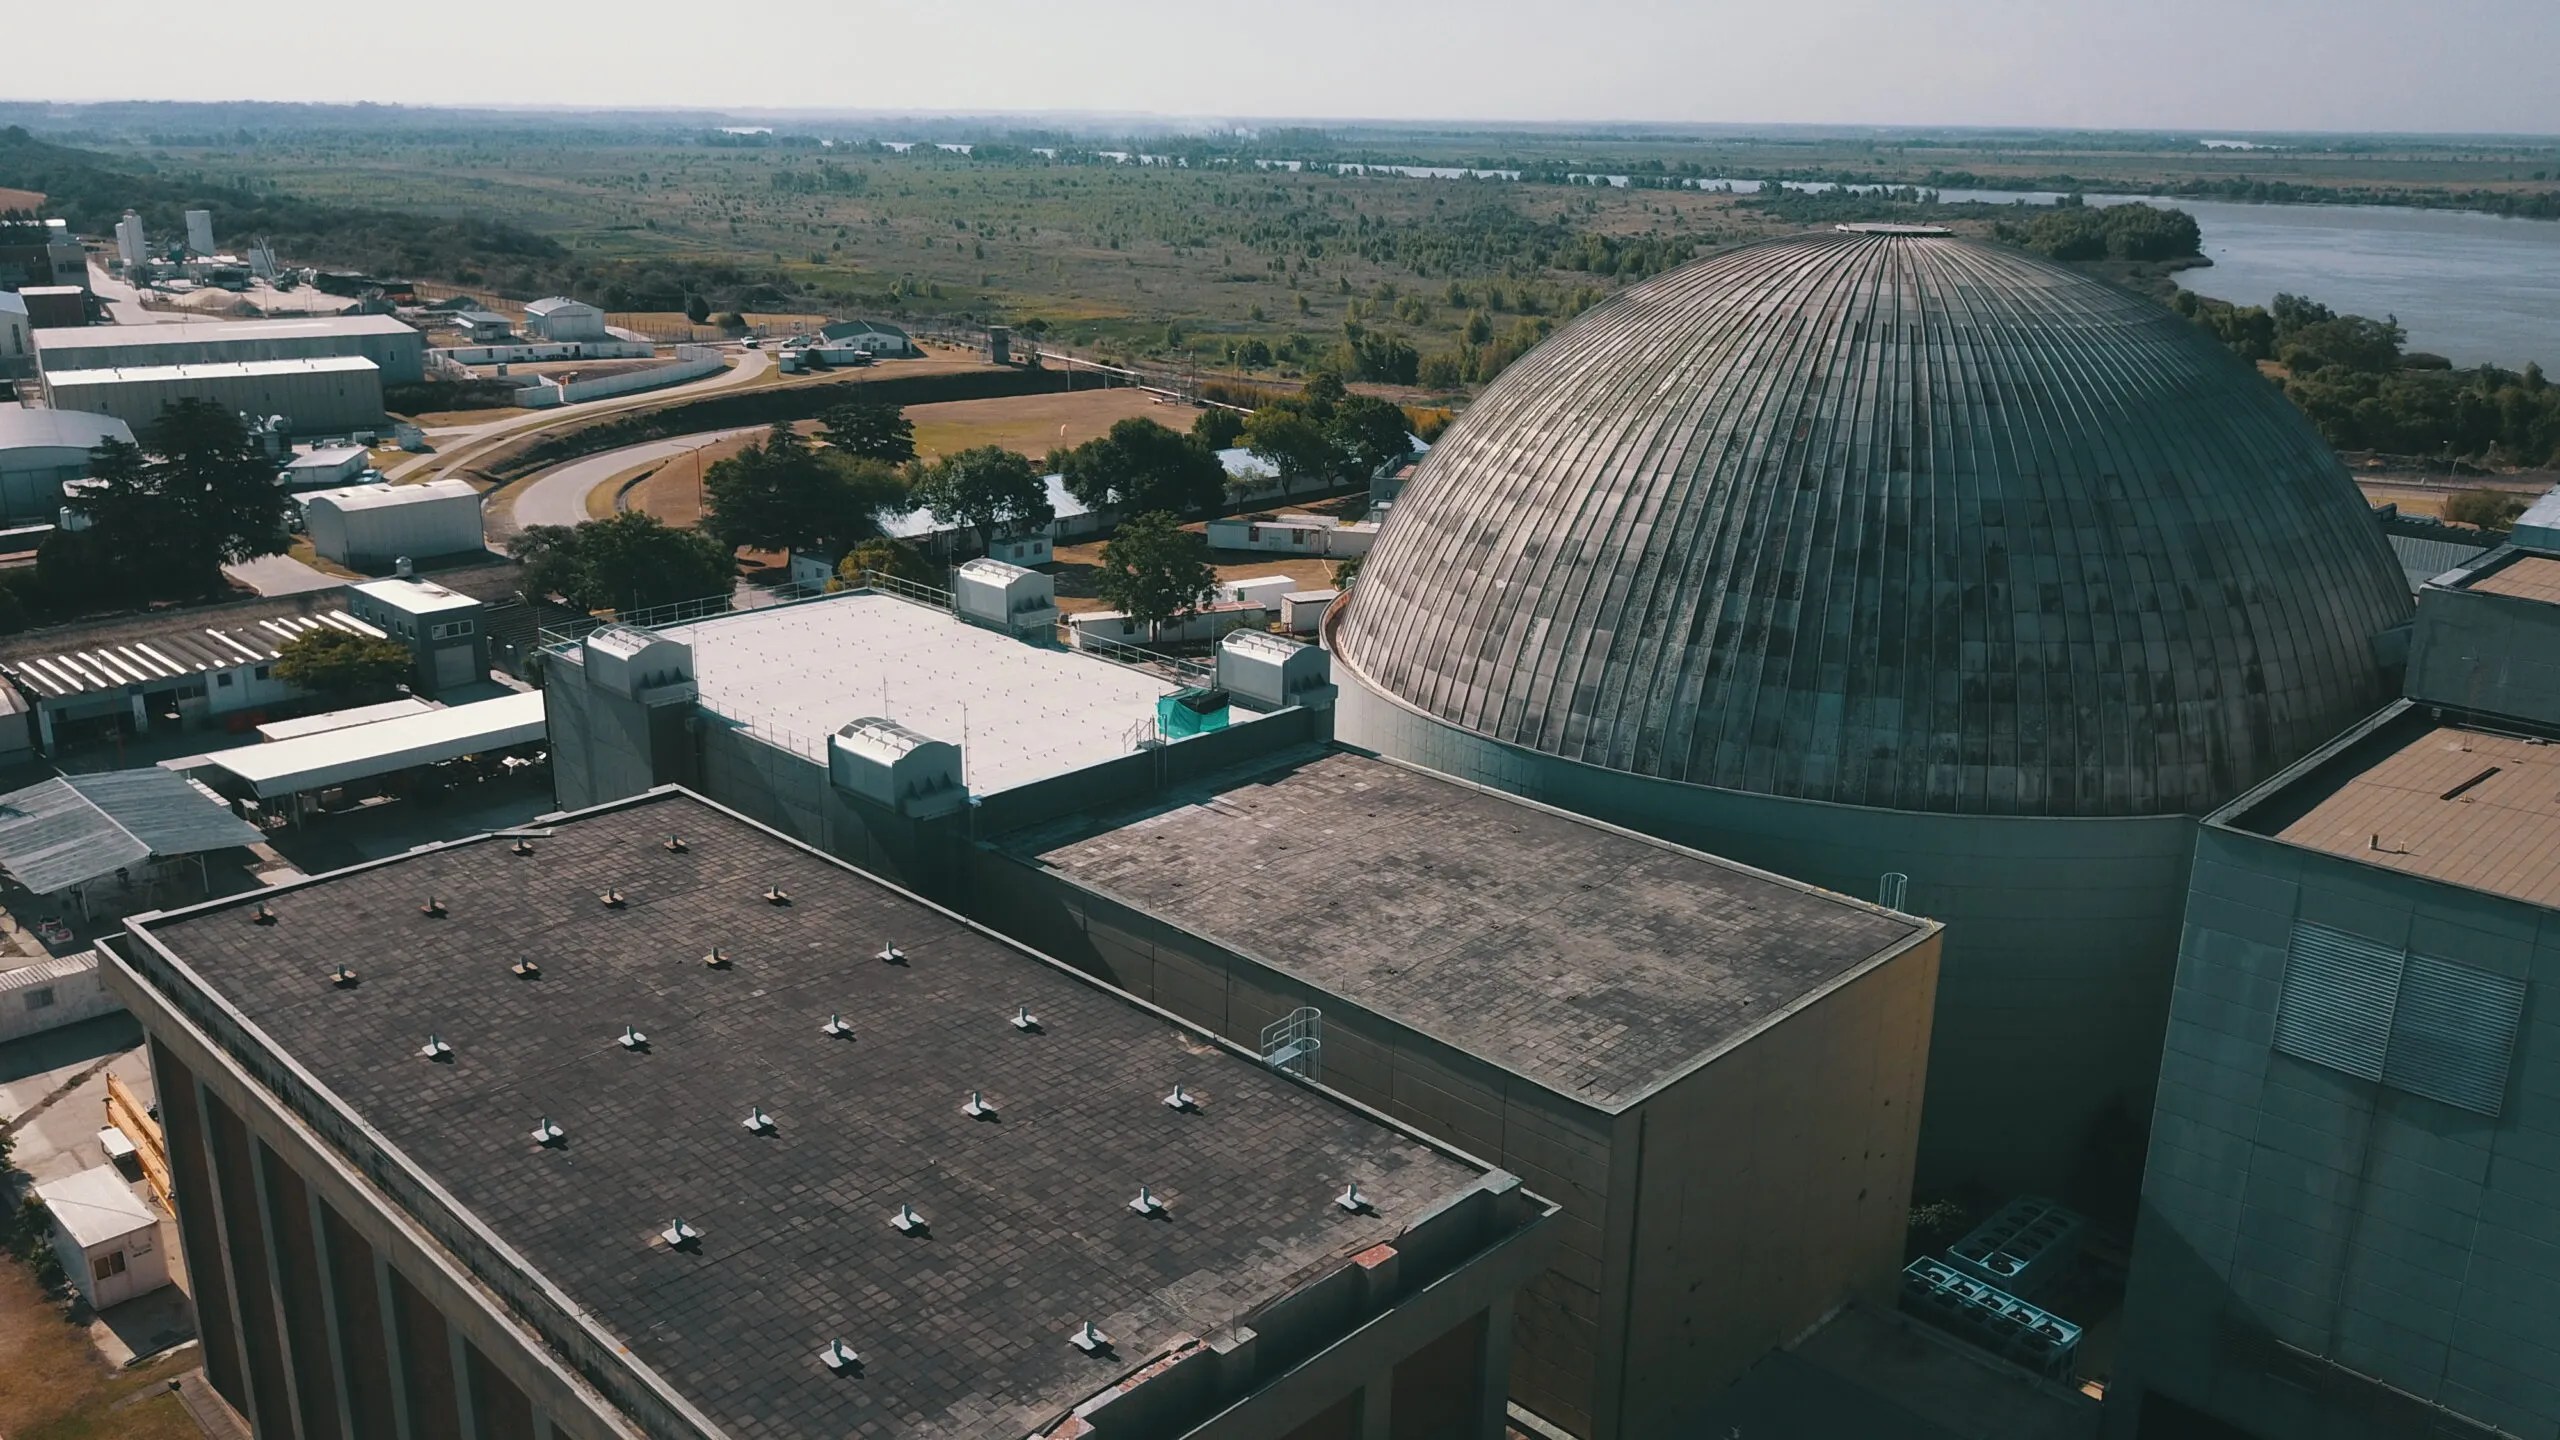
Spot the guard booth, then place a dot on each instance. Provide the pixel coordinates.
(107, 1240)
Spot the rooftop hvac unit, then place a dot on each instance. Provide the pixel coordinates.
(2024, 1248)
(897, 769)
(1990, 1317)
(1273, 672)
(1005, 597)
(1192, 711)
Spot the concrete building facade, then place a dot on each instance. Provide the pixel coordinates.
(396, 348)
(443, 629)
(371, 1265)
(315, 397)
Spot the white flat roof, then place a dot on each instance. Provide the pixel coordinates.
(98, 337)
(327, 721)
(96, 1206)
(58, 429)
(414, 597)
(382, 496)
(316, 762)
(59, 380)
(325, 456)
(1020, 712)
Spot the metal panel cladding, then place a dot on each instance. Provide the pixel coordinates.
(1897, 521)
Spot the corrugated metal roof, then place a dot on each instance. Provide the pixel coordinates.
(65, 831)
(48, 970)
(61, 380)
(2422, 559)
(335, 757)
(217, 332)
(174, 654)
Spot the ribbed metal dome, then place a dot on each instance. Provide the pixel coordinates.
(1899, 521)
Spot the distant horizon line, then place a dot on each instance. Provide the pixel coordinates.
(1179, 124)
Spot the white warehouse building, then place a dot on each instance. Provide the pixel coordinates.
(40, 449)
(560, 318)
(398, 349)
(326, 396)
(367, 527)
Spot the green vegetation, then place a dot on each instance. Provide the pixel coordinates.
(90, 191)
(1154, 570)
(342, 664)
(2350, 375)
(1324, 432)
(624, 562)
(895, 559)
(2487, 509)
(989, 489)
(166, 515)
(2074, 231)
(1142, 466)
(785, 494)
(871, 430)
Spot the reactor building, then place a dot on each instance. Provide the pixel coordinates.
(1917, 568)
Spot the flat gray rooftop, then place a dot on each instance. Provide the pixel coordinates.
(1591, 961)
(795, 674)
(963, 1331)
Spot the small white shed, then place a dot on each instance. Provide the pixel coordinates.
(1005, 597)
(1302, 611)
(107, 1239)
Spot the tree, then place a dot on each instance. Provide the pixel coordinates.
(873, 429)
(341, 663)
(1217, 427)
(2486, 509)
(1345, 571)
(194, 495)
(697, 310)
(1294, 444)
(990, 490)
(1154, 570)
(1370, 432)
(883, 556)
(1140, 465)
(628, 561)
(784, 494)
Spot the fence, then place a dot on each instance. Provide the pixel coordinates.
(692, 362)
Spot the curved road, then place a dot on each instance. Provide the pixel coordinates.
(559, 496)
(462, 445)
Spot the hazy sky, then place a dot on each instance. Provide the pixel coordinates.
(2211, 64)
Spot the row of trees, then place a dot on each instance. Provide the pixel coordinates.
(2365, 391)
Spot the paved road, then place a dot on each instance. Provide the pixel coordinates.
(559, 497)
(458, 447)
(281, 575)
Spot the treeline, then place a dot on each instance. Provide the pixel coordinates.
(91, 191)
(2074, 231)
(2352, 376)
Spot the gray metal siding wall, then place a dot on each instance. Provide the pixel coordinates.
(2495, 654)
(2061, 934)
(1559, 1148)
(1775, 1185)
(600, 742)
(2293, 1211)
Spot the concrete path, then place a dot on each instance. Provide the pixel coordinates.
(281, 575)
(559, 496)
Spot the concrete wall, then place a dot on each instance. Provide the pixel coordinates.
(48, 995)
(2323, 1257)
(2487, 653)
(1773, 1185)
(2061, 935)
(317, 402)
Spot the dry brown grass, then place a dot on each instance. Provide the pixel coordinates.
(55, 1386)
(1076, 565)
(1036, 424)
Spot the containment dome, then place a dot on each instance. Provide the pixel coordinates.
(1891, 520)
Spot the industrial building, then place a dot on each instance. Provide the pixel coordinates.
(1614, 1019)
(396, 348)
(1589, 997)
(2350, 1225)
(209, 665)
(51, 307)
(40, 449)
(655, 1123)
(315, 397)
(17, 350)
(324, 466)
(560, 319)
(116, 842)
(106, 1238)
(442, 628)
(1911, 567)
(370, 527)
(132, 247)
